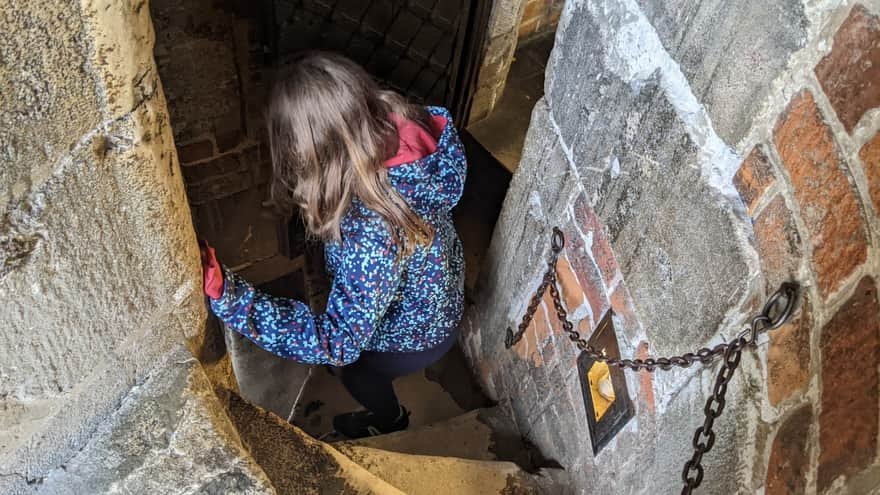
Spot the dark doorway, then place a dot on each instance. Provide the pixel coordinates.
(216, 59)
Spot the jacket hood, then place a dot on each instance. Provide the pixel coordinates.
(431, 184)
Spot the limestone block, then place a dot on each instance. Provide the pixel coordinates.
(658, 181)
(115, 251)
(101, 271)
(48, 102)
(169, 435)
(505, 17)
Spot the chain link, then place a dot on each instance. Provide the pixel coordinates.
(775, 313)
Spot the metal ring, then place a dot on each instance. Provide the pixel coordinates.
(558, 240)
(789, 290)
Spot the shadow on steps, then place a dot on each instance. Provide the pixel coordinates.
(297, 463)
(293, 461)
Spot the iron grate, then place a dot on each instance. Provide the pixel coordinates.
(408, 45)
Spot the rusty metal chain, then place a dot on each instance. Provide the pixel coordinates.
(772, 316)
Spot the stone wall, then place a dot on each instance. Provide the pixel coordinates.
(696, 154)
(539, 17)
(510, 22)
(209, 55)
(216, 74)
(100, 275)
(501, 37)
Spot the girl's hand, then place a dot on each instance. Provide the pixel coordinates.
(211, 271)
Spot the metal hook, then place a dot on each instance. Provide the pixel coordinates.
(789, 291)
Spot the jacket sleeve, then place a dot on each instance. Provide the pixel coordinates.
(453, 171)
(363, 288)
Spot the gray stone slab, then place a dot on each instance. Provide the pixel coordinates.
(639, 166)
(667, 227)
(169, 435)
(729, 51)
(271, 382)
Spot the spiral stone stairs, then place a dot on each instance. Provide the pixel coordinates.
(177, 433)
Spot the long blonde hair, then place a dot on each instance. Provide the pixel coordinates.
(330, 132)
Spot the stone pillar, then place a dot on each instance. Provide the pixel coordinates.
(696, 154)
(100, 272)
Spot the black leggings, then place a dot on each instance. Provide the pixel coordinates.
(369, 379)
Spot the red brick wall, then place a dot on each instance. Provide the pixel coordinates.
(824, 213)
(814, 206)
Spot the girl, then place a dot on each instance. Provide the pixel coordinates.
(375, 178)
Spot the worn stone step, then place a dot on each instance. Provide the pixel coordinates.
(294, 461)
(430, 475)
(481, 434)
(485, 434)
(464, 436)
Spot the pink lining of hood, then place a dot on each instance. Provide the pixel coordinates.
(415, 141)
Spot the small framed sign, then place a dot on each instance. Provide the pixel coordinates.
(606, 397)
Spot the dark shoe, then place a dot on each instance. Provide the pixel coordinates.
(362, 424)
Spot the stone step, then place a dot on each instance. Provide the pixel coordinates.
(174, 434)
(430, 475)
(485, 434)
(294, 461)
(471, 435)
(464, 436)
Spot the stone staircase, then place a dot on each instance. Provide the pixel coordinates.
(174, 433)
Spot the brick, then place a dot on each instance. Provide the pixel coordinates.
(590, 224)
(228, 140)
(237, 229)
(753, 178)
(588, 274)
(193, 152)
(850, 74)
(194, 174)
(788, 357)
(571, 291)
(870, 155)
(646, 381)
(850, 346)
(527, 28)
(526, 344)
(218, 187)
(535, 9)
(529, 347)
(778, 243)
(827, 202)
(542, 326)
(789, 456)
(621, 303)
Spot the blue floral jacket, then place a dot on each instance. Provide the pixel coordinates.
(380, 300)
